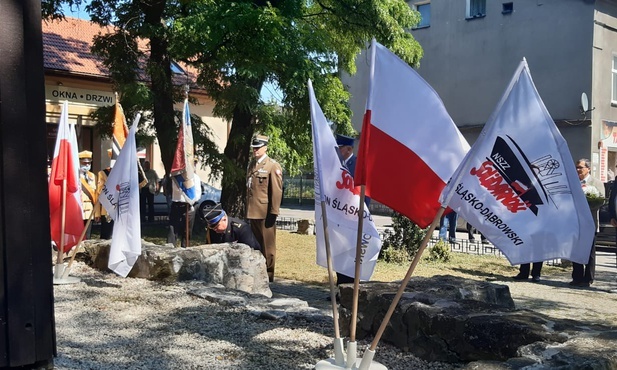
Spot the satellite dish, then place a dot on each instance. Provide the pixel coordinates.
(584, 102)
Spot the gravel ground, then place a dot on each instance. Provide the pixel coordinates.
(108, 322)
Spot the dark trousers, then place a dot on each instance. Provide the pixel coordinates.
(107, 227)
(343, 279)
(535, 271)
(265, 233)
(146, 204)
(585, 273)
(471, 230)
(177, 223)
(88, 234)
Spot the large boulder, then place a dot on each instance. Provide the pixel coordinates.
(232, 265)
(446, 318)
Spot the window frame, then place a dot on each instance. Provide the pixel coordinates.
(614, 80)
(416, 8)
(468, 15)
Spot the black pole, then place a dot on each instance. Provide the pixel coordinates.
(27, 333)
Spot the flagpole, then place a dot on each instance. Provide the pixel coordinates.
(339, 358)
(67, 270)
(399, 293)
(352, 345)
(60, 258)
(186, 222)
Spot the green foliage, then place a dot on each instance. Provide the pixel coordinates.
(235, 47)
(440, 252)
(403, 240)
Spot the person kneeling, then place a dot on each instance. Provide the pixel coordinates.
(225, 229)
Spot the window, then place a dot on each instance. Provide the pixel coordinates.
(614, 92)
(476, 8)
(507, 8)
(425, 13)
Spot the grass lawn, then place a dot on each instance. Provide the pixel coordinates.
(296, 256)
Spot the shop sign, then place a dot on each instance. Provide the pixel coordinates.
(75, 95)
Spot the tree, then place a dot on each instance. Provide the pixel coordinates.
(237, 47)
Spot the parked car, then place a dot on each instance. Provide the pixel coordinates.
(209, 197)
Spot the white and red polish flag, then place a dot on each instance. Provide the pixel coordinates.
(64, 188)
(518, 185)
(409, 147)
(334, 185)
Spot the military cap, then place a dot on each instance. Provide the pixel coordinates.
(342, 140)
(85, 156)
(259, 141)
(214, 215)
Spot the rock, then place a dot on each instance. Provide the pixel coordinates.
(263, 307)
(448, 319)
(234, 266)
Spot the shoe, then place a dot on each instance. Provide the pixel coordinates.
(472, 240)
(535, 279)
(579, 283)
(484, 241)
(520, 277)
(452, 240)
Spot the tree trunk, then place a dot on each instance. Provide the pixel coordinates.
(238, 154)
(159, 70)
(237, 151)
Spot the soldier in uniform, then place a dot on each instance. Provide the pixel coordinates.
(264, 195)
(224, 229)
(88, 188)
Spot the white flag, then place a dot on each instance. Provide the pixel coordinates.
(518, 185)
(120, 197)
(334, 185)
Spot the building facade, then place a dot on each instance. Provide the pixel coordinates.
(472, 48)
(74, 74)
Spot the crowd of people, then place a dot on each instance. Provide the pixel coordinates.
(264, 182)
(264, 195)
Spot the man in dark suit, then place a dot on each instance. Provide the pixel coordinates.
(345, 149)
(225, 229)
(612, 207)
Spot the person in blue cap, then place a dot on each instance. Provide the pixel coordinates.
(345, 149)
(348, 159)
(225, 229)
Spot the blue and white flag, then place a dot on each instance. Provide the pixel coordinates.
(518, 185)
(182, 171)
(120, 197)
(334, 185)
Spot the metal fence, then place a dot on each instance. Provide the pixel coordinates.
(459, 245)
(300, 190)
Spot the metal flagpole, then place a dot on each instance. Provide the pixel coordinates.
(60, 256)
